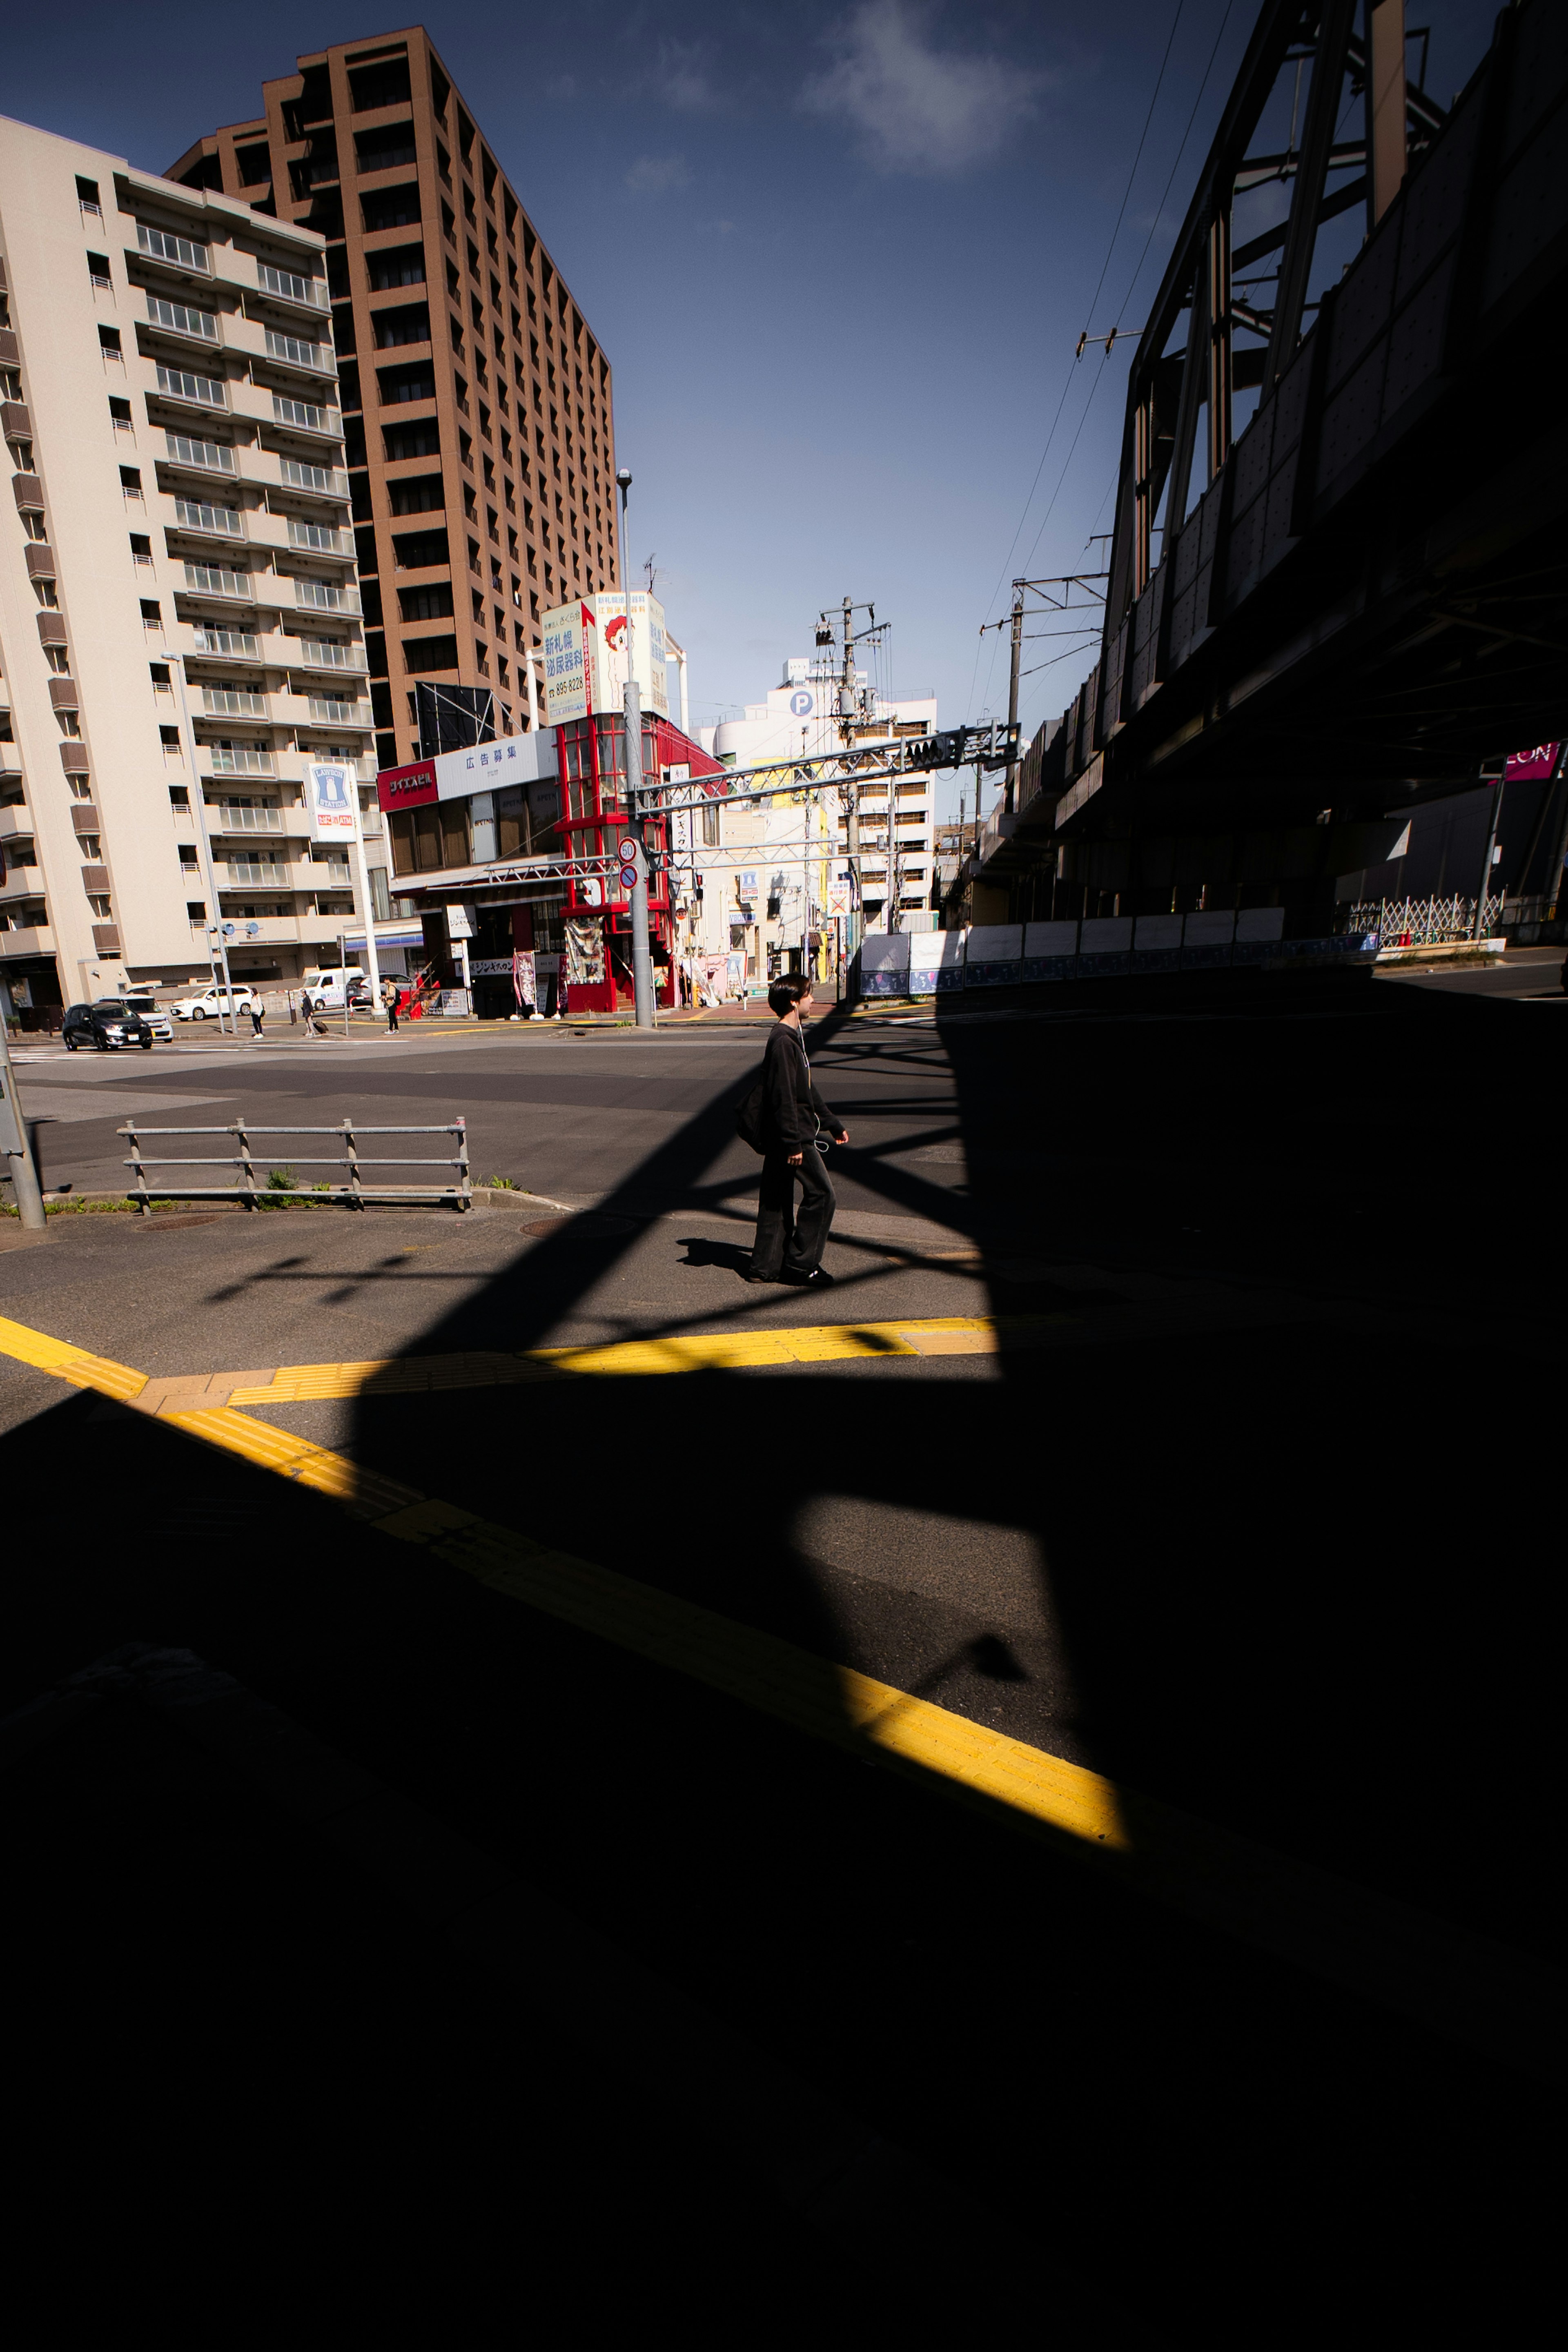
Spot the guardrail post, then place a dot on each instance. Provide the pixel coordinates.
(143, 1197)
(465, 1183)
(245, 1161)
(354, 1198)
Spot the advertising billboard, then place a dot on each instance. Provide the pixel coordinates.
(477, 768)
(330, 786)
(586, 655)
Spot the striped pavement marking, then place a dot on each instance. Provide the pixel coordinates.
(1460, 1984)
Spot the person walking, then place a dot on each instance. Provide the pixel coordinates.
(389, 998)
(258, 1015)
(788, 1246)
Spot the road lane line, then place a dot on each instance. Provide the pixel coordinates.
(1462, 1986)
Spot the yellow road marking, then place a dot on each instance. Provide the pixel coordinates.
(1453, 1982)
(719, 1351)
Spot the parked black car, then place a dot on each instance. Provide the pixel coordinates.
(106, 1026)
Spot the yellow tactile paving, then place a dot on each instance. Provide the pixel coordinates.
(697, 1351)
(295, 1458)
(77, 1365)
(1457, 1984)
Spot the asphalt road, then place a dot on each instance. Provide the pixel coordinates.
(1241, 1513)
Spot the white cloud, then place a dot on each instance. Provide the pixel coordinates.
(917, 108)
(681, 77)
(650, 175)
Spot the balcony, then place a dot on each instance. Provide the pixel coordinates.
(26, 939)
(326, 596)
(175, 252)
(181, 320)
(198, 457)
(234, 701)
(323, 711)
(283, 286)
(223, 816)
(229, 645)
(304, 416)
(254, 873)
(326, 653)
(191, 390)
(234, 759)
(322, 481)
(212, 579)
(207, 521)
(320, 539)
(39, 559)
(291, 351)
(17, 822)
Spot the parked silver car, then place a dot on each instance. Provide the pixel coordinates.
(152, 1014)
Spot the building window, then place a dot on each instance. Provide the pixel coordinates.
(141, 548)
(120, 413)
(109, 342)
(131, 483)
(87, 195)
(196, 909)
(710, 833)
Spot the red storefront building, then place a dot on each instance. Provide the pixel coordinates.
(592, 768)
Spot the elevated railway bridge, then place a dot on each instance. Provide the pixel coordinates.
(1364, 605)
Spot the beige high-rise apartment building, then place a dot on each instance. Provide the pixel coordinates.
(477, 401)
(179, 616)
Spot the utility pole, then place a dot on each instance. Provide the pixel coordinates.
(1013, 690)
(1479, 928)
(851, 796)
(642, 962)
(17, 1144)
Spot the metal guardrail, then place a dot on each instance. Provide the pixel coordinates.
(353, 1194)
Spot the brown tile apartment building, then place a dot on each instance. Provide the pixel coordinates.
(477, 402)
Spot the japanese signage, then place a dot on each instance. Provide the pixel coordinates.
(512, 760)
(585, 655)
(399, 788)
(1528, 767)
(330, 800)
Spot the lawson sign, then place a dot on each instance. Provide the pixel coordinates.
(330, 787)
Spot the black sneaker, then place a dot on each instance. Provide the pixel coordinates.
(819, 1280)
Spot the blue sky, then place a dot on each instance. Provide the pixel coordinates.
(839, 259)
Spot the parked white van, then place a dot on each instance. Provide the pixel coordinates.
(321, 987)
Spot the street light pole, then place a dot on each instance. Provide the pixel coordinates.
(642, 962)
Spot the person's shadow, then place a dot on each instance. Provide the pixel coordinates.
(734, 1256)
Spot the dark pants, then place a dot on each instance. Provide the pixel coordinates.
(785, 1242)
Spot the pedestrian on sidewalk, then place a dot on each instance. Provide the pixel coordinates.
(389, 998)
(788, 1246)
(258, 1015)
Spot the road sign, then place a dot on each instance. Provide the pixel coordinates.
(628, 877)
(626, 851)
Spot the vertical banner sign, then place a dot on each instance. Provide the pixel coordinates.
(330, 800)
